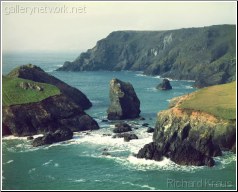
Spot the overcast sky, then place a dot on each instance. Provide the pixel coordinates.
(34, 27)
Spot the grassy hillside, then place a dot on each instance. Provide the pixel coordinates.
(219, 100)
(15, 91)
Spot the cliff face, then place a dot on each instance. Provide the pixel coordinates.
(206, 54)
(36, 74)
(51, 114)
(189, 137)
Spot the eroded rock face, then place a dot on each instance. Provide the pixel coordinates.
(189, 137)
(124, 101)
(50, 114)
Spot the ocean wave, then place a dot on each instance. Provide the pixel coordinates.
(141, 75)
(137, 185)
(157, 77)
(31, 170)
(47, 163)
(78, 180)
(10, 161)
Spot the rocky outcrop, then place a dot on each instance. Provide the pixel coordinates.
(51, 114)
(122, 127)
(206, 55)
(57, 136)
(36, 74)
(189, 137)
(127, 136)
(124, 101)
(165, 85)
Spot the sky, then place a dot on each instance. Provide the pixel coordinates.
(77, 26)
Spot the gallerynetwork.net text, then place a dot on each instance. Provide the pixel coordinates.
(32, 10)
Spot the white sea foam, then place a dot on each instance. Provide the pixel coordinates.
(56, 165)
(188, 87)
(79, 180)
(31, 170)
(47, 163)
(11, 137)
(157, 77)
(137, 185)
(141, 75)
(10, 161)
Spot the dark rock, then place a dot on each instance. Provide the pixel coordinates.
(50, 114)
(127, 136)
(185, 154)
(36, 74)
(142, 118)
(165, 85)
(57, 136)
(106, 153)
(105, 134)
(122, 127)
(30, 138)
(150, 151)
(124, 101)
(5, 130)
(104, 120)
(150, 130)
(145, 124)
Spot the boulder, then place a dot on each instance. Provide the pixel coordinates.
(150, 130)
(57, 136)
(165, 85)
(30, 138)
(127, 136)
(124, 101)
(150, 151)
(122, 127)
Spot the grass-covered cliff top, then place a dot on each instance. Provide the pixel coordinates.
(22, 91)
(219, 100)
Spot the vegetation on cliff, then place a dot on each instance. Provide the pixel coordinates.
(21, 91)
(219, 100)
(206, 55)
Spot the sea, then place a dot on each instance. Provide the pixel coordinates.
(79, 164)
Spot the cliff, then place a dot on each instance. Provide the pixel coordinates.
(36, 74)
(206, 55)
(30, 107)
(191, 135)
(51, 114)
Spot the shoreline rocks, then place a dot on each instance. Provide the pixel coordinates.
(50, 114)
(124, 101)
(165, 85)
(189, 138)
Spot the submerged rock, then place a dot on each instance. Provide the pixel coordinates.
(165, 85)
(124, 101)
(150, 130)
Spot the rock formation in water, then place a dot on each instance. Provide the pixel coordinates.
(50, 114)
(36, 74)
(39, 108)
(165, 85)
(189, 137)
(206, 55)
(124, 101)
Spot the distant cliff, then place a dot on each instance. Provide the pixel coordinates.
(206, 55)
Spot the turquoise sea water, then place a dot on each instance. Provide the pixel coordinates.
(78, 164)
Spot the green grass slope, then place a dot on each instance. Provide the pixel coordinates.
(219, 100)
(13, 93)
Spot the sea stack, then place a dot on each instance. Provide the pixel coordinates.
(124, 101)
(165, 85)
